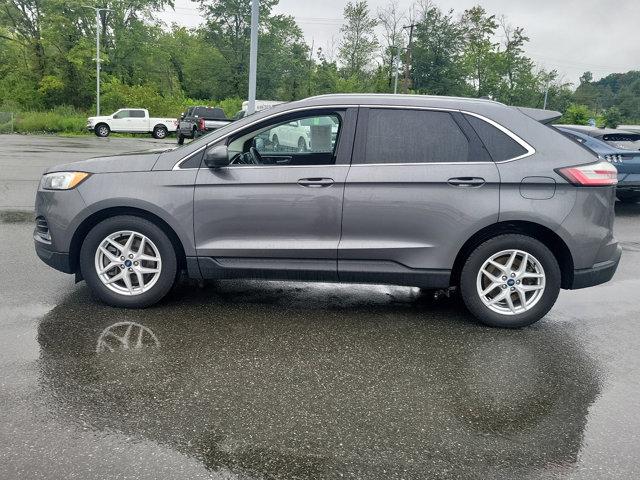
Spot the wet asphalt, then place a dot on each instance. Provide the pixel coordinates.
(277, 380)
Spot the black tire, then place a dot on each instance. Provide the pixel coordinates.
(102, 130)
(627, 197)
(180, 139)
(168, 272)
(475, 261)
(160, 132)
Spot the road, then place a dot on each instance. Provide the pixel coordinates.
(23, 158)
(277, 380)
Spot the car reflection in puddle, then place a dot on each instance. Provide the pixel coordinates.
(126, 336)
(277, 380)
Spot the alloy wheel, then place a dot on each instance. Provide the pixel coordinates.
(511, 282)
(128, 263)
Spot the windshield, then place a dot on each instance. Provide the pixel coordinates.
(626, 141)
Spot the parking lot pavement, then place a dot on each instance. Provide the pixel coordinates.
(23, 158)
(276, 380)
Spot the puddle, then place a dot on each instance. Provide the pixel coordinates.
(16, 216)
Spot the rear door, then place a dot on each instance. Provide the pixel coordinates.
(278, 215)
(420, 185)
(139, 121)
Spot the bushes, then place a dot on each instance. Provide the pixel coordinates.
(68, 120)
(58, 120)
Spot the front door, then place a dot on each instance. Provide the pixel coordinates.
(121, 121)
(420, 185)
(276, 210)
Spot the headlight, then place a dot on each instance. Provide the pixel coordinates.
(63, 180)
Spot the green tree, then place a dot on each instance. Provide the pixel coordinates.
(611, 117)
(577, 115)
(437, 50)
(359, 44)
(391, 19)
(480, 57)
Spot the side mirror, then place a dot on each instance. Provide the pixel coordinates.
(217, 157)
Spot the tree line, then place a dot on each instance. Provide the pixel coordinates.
(47, 58)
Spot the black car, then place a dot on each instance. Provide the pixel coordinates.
(197, 121)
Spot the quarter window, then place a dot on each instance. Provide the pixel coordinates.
(414, 136)
(500, 145)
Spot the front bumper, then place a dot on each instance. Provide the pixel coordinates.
(600, 273)
(58, 260)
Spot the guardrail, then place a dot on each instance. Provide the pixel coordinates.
(7, 122)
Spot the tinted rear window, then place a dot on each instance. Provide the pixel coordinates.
(414, 136)
(210, 113)
(626, 141)
(500, 145)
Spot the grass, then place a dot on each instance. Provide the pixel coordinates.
(53, 121)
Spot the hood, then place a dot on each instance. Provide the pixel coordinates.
(126, 162)
(99, 119)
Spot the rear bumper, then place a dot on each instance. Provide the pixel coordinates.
(600, 273)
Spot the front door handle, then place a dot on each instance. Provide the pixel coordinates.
(466, 182)
(315, 182)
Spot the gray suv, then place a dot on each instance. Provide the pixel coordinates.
(431, 192)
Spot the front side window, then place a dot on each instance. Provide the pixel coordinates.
(122, 114)
(414, 136)
(309, 140)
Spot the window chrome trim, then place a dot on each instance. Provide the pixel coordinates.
(530, 150)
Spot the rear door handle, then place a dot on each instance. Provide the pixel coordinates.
(315, 182)
(466, 182)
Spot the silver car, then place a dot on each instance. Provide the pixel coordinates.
(432, 192)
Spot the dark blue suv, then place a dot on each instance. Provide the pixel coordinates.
(620, 147)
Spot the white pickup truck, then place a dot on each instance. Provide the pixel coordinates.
(132, 120)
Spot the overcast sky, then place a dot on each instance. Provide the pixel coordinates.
(572, 36)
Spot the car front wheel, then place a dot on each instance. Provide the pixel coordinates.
(102, 130)
(128, 262)
(510, 281)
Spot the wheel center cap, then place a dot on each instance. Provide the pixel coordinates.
(511, 282)
(128, 263)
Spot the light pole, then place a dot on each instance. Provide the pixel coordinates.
(98, 10)
(396, 65)
(546, 95)
(253, 56)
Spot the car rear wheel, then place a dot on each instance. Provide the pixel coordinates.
(627, 197)
(102, 130)
(160, 131)
(510, 281)
(128, 262)
(180, 139)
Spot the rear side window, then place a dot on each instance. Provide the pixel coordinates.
(500, 145)
(414, 136)
(137, 113)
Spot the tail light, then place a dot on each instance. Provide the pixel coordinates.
(201, 125)
(601, 174)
